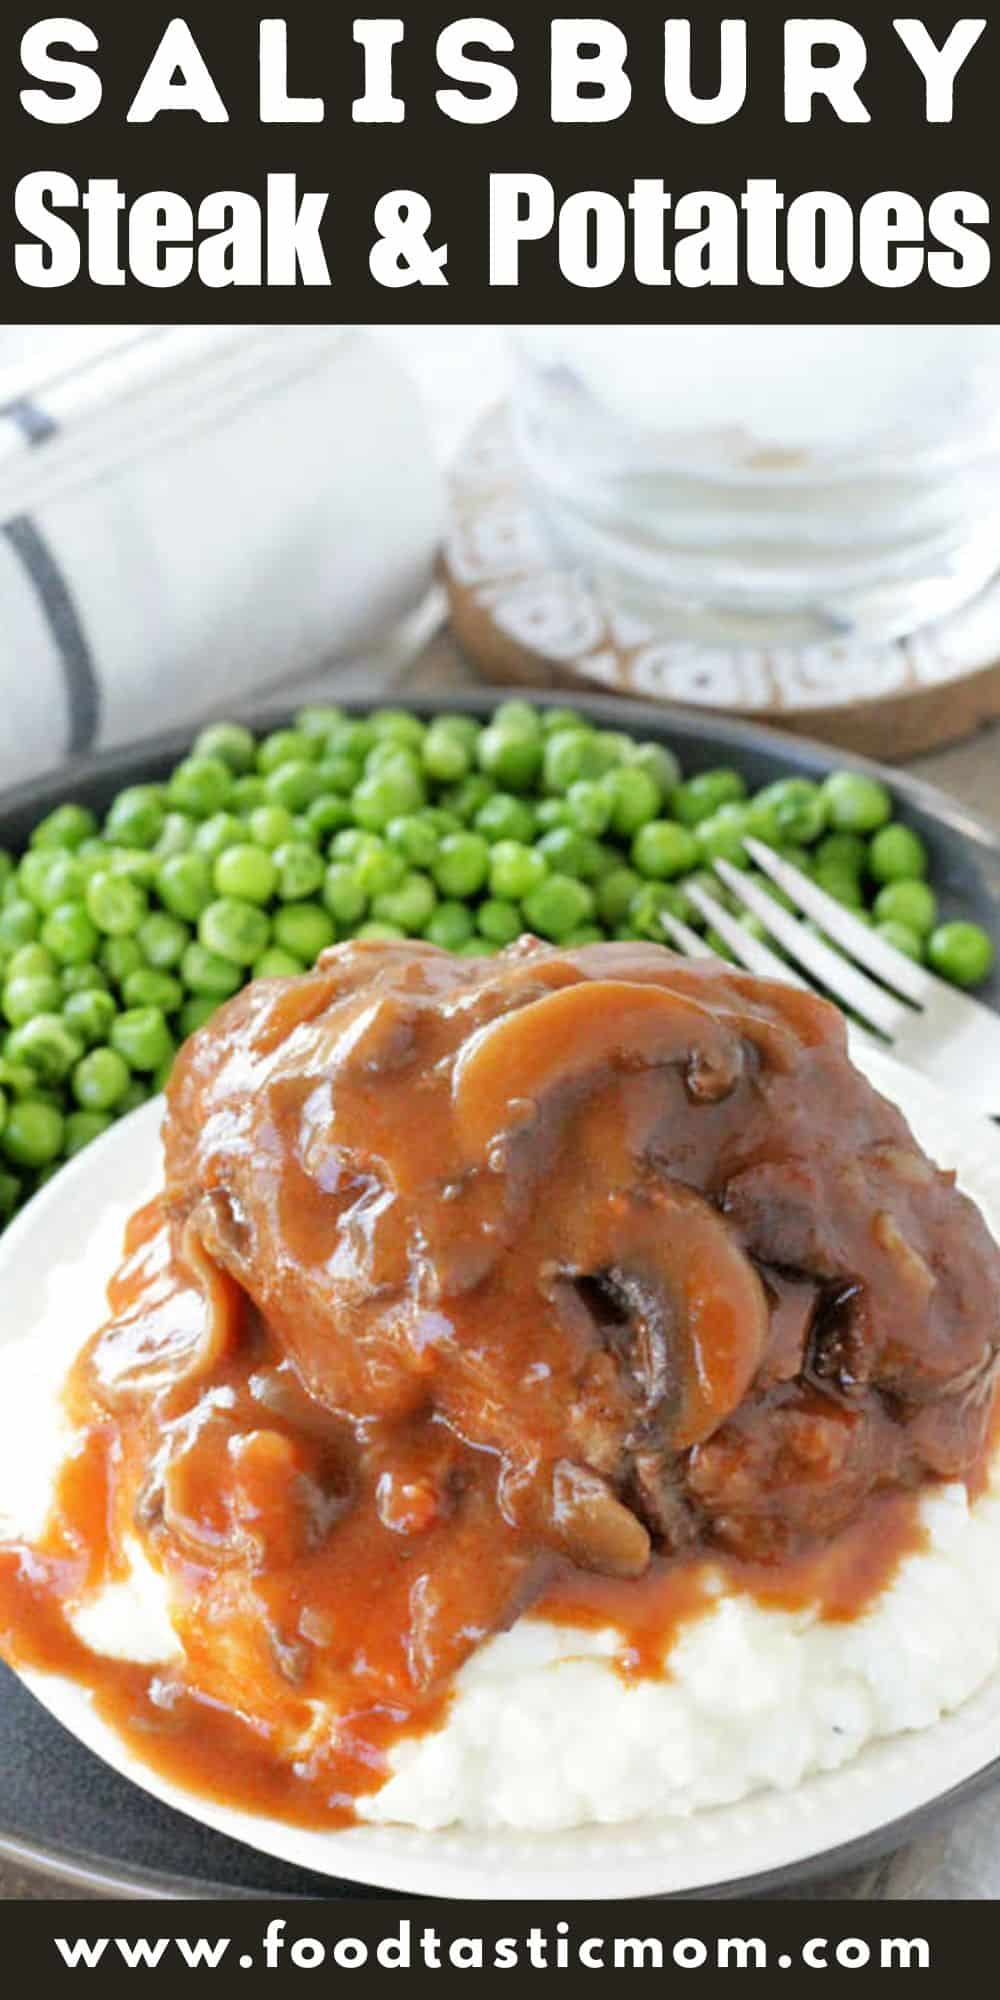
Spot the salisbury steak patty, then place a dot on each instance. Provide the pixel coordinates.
(633, 1227)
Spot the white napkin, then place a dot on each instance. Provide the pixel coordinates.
(190, 516)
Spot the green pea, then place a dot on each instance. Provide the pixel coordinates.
(145, 987)
(287, 746)
(660, 764)
(184, 885)
(340, 775)
(246, 872)
(200, 786)
(350, 843)
(444, 756)
(66, 826)
(377, 867)
(19, 923)
(120, 956)
(381, 933)
(208, 973)
(856, 803)
(177, 836)
(636, 799)
(499, 921)
(82, 1128)
(353, 739)
(558, 906)
(325, 816)
(40, 993)
(31, 961)
(697, 798)
(844, 888)
(467, 728)
(450, 925)
(299, 871)
(463, 864)
(89, 1015)
(662, 850)
(515, 870)
(552, 720)
(397, 725)
(318, 718)
(410, 906)
(10, 1195)
(195, 1012)
(47, 1045)
(615, 893)
(214, 835)
(722, 836)
(571, 756)
(908, 941)
(70, 935)
(227, 743)
(305, 929)
(343, 895)
(649, 906)
(590, 802)
(414, 836)
(115, 905)
(910, 903)
(511, 753)
(142, 1038)
(33, 1134)
(506, 817)
(566, 852)
(163, 940)
(790, 809)
(518, 716)
(468, 797)
(134, 862)
(59, 878)
(392, 791)
(83, 979)
(295, 785)
(844, 853)
(235, 929)
(271, 827)
(276, 963)
(247, 794)
(961, 952)
(136, 817)
(897, 854)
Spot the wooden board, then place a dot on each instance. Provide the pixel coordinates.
(524, 618)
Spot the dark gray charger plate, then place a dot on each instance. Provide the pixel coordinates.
(61, 1809)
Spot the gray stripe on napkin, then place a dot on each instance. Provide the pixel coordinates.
(83, 694)
(34, 423)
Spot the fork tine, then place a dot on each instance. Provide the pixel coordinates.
(852, 987)
(685, 938)
(866, 946)
(754, 955)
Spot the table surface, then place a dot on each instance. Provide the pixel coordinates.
(963, 1859)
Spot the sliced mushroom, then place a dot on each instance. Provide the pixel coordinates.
(692, 1318)
(578, 1035)
(594, 1528)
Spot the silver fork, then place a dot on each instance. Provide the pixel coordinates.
(924, 1021)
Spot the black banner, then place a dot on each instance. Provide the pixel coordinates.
(640, 166)
(64, 1941)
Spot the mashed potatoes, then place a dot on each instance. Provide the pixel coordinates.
(543, 1732)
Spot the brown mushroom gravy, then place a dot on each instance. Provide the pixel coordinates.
(565, 1283)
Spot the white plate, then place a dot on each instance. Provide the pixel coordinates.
(772, 1830)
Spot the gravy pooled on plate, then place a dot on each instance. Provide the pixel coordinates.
(552, 1282)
